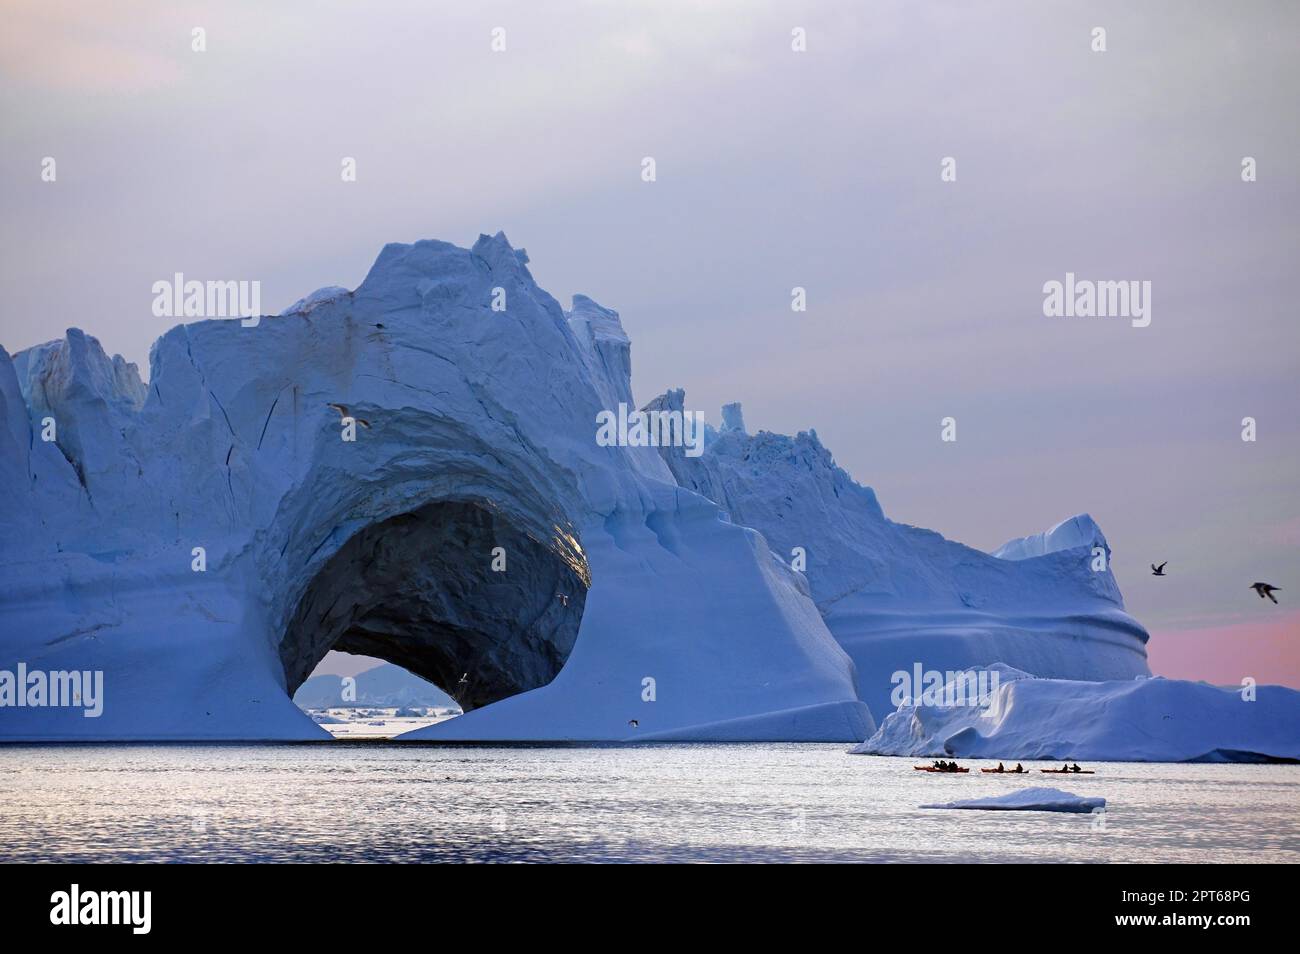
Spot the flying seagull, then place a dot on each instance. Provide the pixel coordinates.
(1265, 589)
(343, 412)
(1158, 570)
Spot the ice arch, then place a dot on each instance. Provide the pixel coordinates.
(473, 428)
(423, 590)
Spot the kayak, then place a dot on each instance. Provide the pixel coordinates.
(1004, 772)
(930, 768)
(1067, 772)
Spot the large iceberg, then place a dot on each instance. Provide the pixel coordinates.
(203, 540)
(1138, 720)
(896, 596)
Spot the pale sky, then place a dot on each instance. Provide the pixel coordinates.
(819, 169)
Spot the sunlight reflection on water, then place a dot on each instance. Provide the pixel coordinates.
(402, 802)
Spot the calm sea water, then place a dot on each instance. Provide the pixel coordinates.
(398, 802)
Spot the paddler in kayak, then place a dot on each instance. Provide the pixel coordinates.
(1001, 767)
(1019, 769)
(1075, 767)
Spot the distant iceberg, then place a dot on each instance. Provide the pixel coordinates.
(385, 685)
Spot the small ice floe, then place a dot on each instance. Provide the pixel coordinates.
(1035, 799)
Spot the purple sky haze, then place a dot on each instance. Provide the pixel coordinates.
(775, 169)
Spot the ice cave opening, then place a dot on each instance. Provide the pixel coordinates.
(460, 593)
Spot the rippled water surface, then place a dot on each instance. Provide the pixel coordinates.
(402, 802)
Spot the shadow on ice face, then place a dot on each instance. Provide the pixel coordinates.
(454, 592)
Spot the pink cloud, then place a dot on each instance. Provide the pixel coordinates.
(81, 48)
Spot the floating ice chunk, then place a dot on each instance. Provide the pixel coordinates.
(1034, 799)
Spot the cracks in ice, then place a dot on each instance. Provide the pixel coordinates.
(267, 423)
(84, 631)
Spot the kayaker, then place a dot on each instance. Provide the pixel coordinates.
(1019, 767)
(1001, 768)
(1075, 768)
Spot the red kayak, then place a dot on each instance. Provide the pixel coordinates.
(1066, 772)
(931, 768)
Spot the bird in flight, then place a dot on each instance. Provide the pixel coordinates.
(1265, 589)
(1158, 570)
(343, 412)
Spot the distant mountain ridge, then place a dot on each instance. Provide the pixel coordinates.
(385, 685)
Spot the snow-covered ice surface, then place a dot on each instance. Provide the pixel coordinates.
(1137, 720)
(894, 595)
(1033, 799)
